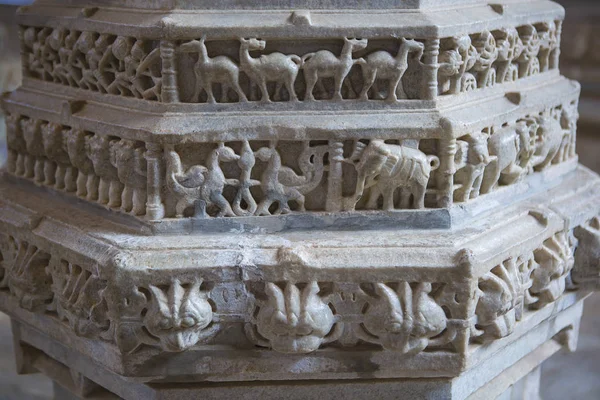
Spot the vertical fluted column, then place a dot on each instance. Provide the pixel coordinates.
(155, 208)
(170, 93)
(555, 55)
(430, 58)
(334, 180)
(446, 172)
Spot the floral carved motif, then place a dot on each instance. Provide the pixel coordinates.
(295, 319)
(24, 273)
(402, 317)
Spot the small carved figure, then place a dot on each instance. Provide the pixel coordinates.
(36, 155)
(401, 318)
(511, 149)
(384, 168)
(293, 320)
(454, 64)
(58, 162)
(147, 77)
(568, 121)
(381, 65)
(324, 64)
(278, 67)
(17, 148)
(128, 157)
(212, 189)
(488, 54)
(127, 67)
(110, 187)
(277, 184)
(472, 158)
(186, 186)
(529, 64)
(208, 71)
(98, 64)
(549, 139)
(77, 143)
(35, 41)
(179, 317)
(548, 42)
(510, 47)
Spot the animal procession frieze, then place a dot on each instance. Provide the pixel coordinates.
(503, 155)
(102, 169)
(250, 69)
(527, 282)
(485, 59)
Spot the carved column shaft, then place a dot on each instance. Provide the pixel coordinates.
(446, 172)
(334, 180)
(170, 91)
(430, 60)
(155, 208)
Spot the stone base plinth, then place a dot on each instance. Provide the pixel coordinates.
(511, 371)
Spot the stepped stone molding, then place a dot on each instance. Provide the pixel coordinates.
(385, 192)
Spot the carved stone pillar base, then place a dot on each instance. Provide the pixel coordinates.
(315, 198)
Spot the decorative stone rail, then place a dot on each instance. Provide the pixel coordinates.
(362, 70)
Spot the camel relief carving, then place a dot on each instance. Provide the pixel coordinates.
(381, 65)
(280, 68)
(208, 71)
(325, 64)
(384, 168)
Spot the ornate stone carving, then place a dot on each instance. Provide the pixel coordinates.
(295, 319)
(402, 317)
(384, 168)
(179, 316)
(24, 273)
(555, 261)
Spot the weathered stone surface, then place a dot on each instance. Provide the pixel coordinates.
(295, 193)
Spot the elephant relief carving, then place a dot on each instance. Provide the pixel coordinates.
(296, 319)
(179, 316)
(401, 317)
(549, 139)
(384, 168)
(510, 150)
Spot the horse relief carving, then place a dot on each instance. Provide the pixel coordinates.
(384, 168)
(295, 319)
(179, 316)
(402, 317)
